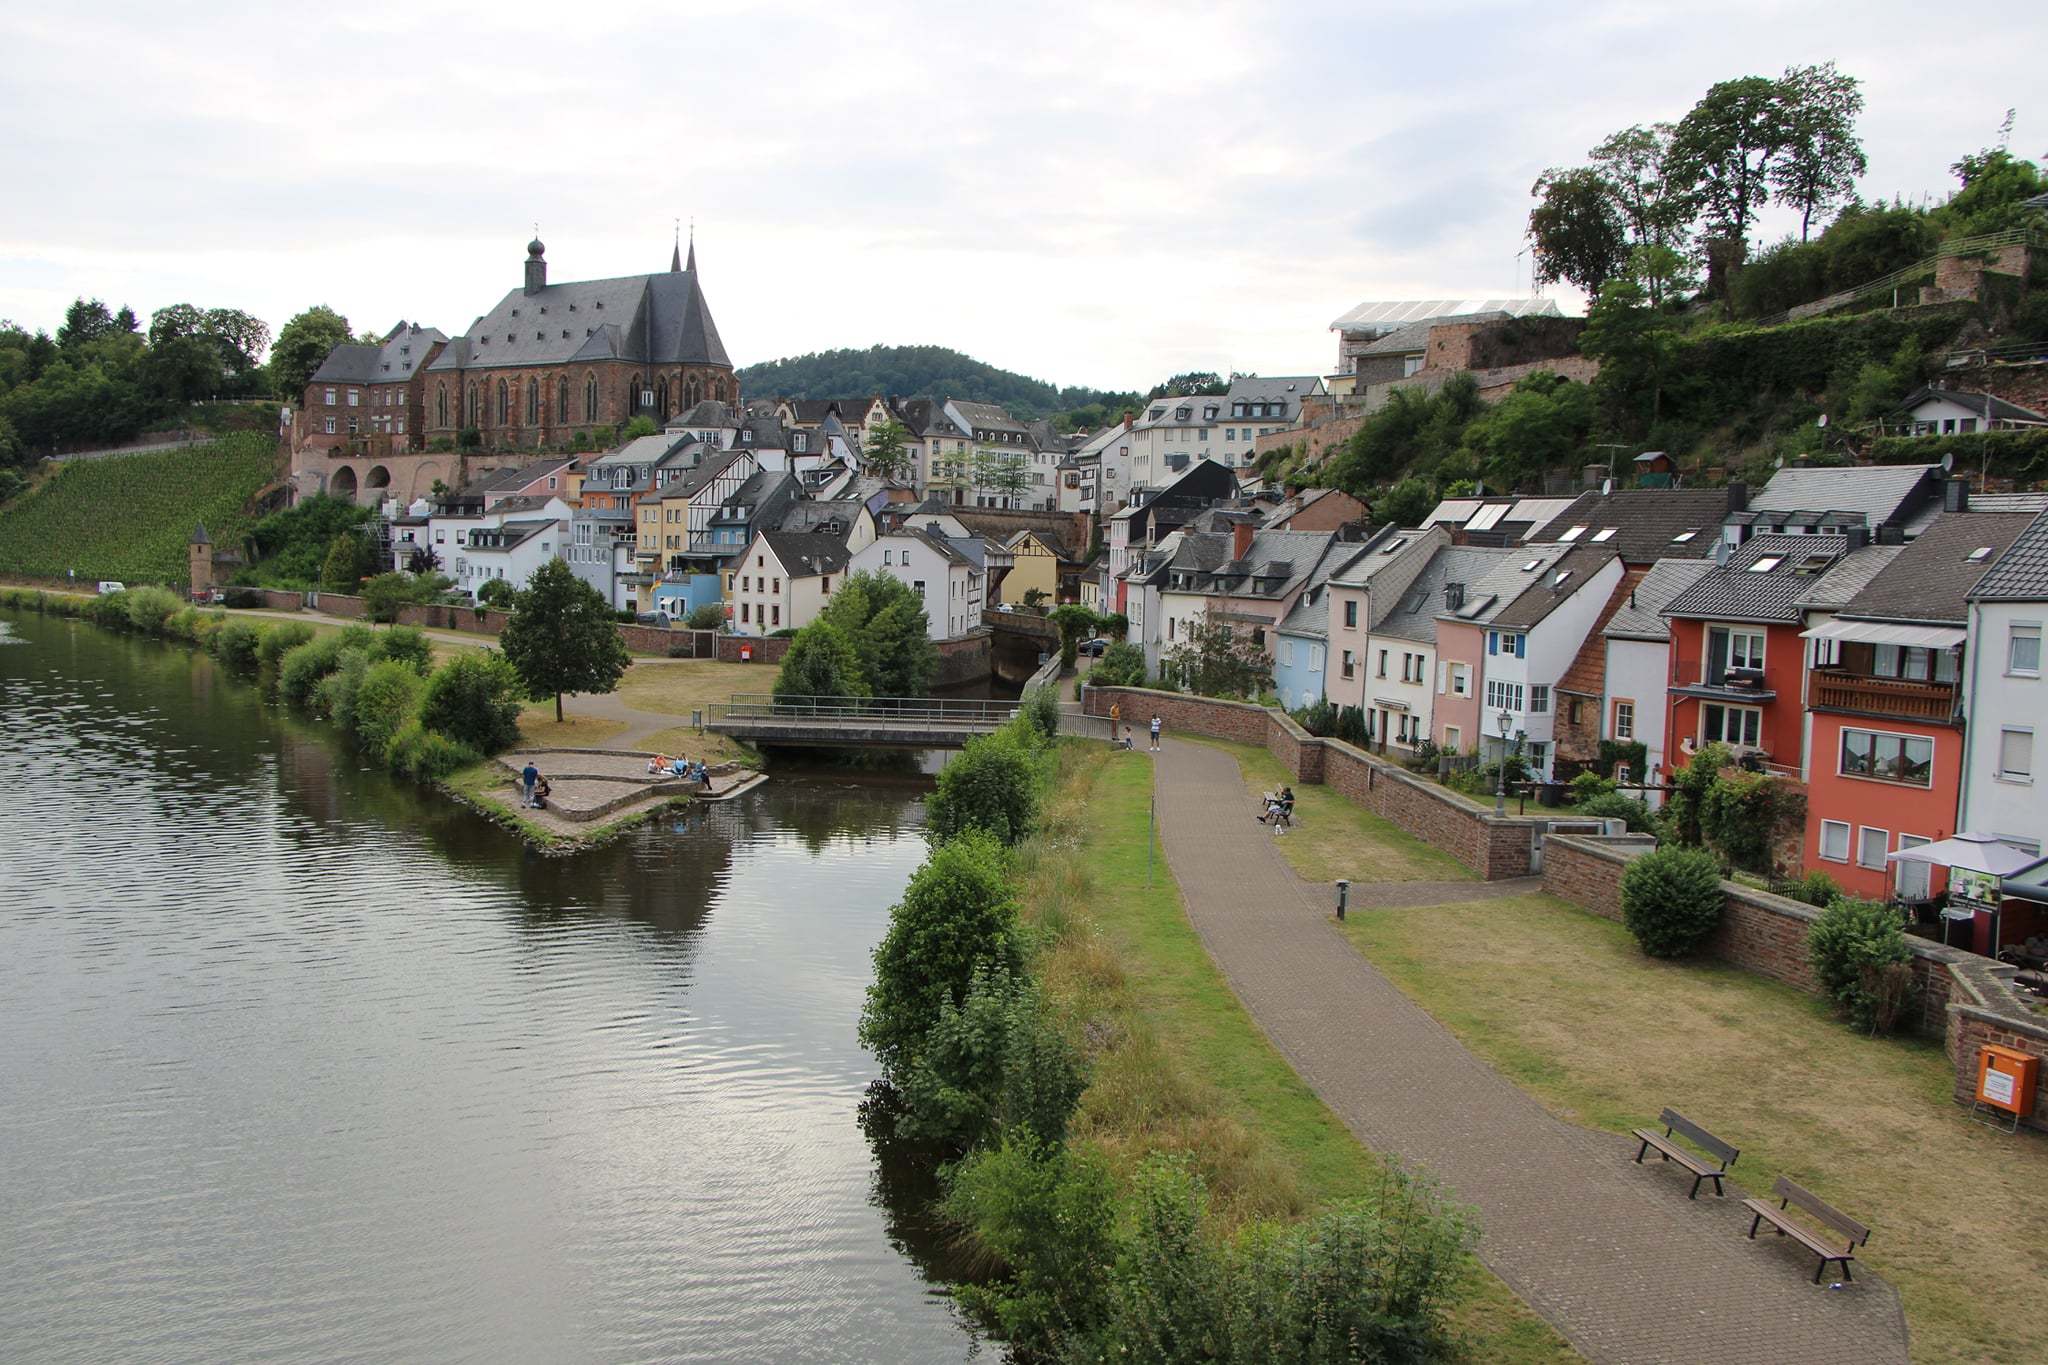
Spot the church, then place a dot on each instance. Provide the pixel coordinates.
(555, 360)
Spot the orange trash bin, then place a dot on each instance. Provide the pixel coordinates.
(2006, 1078)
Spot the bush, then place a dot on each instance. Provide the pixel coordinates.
(279, 641)
(992, 788)
(994, 1064)
(1684, 806)
(1586, 786)
(1121, 665)
(235, 645)
(1816, 888)
(424, 756)
(1632, 753)
(149, 608)
(386, 698)
(407, 645)
(1615, 806)
(1738, 816)
(1041, 708)
(386, 594)
(473, 699)
(1671, 899)
(1858, 950)
(710, 616)
(958, 912)
(496, 592)
(642, 425)
(305, 665)
(244, 598)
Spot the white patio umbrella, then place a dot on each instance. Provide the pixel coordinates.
(1985, 853)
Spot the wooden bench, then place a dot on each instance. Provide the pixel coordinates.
(1780, 1218)
(1675, 1122)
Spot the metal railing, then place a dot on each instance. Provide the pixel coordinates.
(901, 710)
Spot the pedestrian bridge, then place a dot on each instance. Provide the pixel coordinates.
(870, 722)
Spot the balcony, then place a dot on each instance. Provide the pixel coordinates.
(1901, 698)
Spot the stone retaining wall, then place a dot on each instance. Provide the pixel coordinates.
(1491, 846)
(1987, 1010)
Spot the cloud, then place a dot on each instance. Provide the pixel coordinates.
(1093, 193)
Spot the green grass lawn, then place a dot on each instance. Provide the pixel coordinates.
(1195, 1073)
(1564, 1003)
(1332, 837)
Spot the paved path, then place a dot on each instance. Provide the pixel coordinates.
(1613, 1254)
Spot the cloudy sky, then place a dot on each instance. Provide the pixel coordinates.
(1093, 194)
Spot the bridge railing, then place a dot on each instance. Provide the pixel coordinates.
(926, 710)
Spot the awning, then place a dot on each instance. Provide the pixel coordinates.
(1970, 851)
(1879, 633)
(1388, 705)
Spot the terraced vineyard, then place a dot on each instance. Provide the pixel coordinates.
(130, 517)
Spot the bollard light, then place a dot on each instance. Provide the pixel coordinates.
(1343, 895)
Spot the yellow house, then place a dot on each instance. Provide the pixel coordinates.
(1036, 565)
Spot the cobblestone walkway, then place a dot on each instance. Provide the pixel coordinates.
(1612, 1253)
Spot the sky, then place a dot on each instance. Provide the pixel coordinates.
(1094, 194)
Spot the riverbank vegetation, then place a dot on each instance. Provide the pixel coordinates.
(1142, 1174)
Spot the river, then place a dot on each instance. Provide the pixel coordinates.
(297, 1062)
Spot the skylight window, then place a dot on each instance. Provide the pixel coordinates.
(1558, 581)
(1683, 536)
(1980, 554)
(1530, 567)
(1767, 563)
(1604, 533)
(1573, 534)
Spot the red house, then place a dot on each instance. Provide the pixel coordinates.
(1887, 709)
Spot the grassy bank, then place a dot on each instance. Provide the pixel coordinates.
(1564, 1003)
(1178, 1066)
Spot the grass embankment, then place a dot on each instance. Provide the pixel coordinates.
(1564, 1003)
(1178, 1065)
(685, 685)
(1332, 837)
(130, 517)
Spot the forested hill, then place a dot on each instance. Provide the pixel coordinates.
(912, 372)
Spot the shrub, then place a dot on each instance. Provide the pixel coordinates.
(1671, 899)
(305, 665)
(1858, 951)
(1588, 785)
(386, 698)
(109, 610)
(245, 598)
(496, 592)
(642, 425)
(992, 787)
(1738, 815)
(993, 1064)
(1614, 752)
(1041, 708)
(388, 593)
(407, 645)
(149, 608)
(235, 645)
(279, 641)
(1815, 888)
(473, 699)
(958, 912)
(1683, 808)
(710, 616)
(334, 696)
(1121, 665)
(424, 756)
(1615, 806)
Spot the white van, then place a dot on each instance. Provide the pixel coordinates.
(108, 585)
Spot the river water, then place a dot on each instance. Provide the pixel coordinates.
(297, 1062)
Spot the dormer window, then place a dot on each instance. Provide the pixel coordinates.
(1767, 563)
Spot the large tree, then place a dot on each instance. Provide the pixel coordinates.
(1822, 156)
(1006, 472)
(887, 456)
(562, 637)
(1577, 229)
(301, 345)
(884, 620)
(1190, 384)
(821, 662)
(1726, 149)
(1636, 162)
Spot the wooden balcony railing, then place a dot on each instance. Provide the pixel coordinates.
(1900, 697)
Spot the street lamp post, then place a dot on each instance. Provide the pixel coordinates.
(1500, 783)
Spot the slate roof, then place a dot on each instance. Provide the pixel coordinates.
(347, 364)
(988, 417)
(1287, 389)
(804, 554)
(1930, 579)
(1547, 594)
(1413, 615)
(1641, 617)
(944, 547)
(653, 319)
(1847, 577)
(396, 359)
(507, 536)
(527, 503)
(1884, 494)
(712, 465)
(807, 516)
(1989, 406)
(1740, 592)
(1521, 568)
(1586, 675)
(1646, 522)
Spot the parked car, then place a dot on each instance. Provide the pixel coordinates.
(1092, 648)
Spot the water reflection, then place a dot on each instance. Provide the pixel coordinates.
(305, 1063)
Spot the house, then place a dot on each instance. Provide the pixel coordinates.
(1172, 435)
(937, 448)
(1886, 708)
(540, 479)
(1249, 578)
(785, 579)
(508, 542)
(370, 399)
(1580, 702)
(1097, 476)
(1363, 593)
(1319, 509)
(1255, 407)
(1955, 412)
(2004, 699)
(1152, 514)
(1636, 663)
(600, 552)
(1645, 525)
(947, 574)
(1892, 501)
(1002, 449)
(1405, 625)
(1300, 652)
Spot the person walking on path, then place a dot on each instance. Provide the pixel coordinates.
(1116, 713)
(1155, 733)
(529, 776)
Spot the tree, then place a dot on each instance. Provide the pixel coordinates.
(1406, 503)
(349, 558)
(821, 662)
(1726, 149)
(887, 456)
(1006, 472)
(1996, 186)
(992, 787)
(643, 425)
(1576, 229)
(1213, 660)
(240, 339)
(1540, 425)
(1671, 899)
(1822, 155)
(87, 321)
(1636, 163)
(1636, 346)
(1076, 622)
(562, 637)
(302, 344)
(496, 592)
(1121, 665)
(473, 699)
(884, 620)
(1192, 384)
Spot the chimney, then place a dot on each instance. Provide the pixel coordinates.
(1454, 596)
(1241, 539)
(1858, 537)
(1738, 496)
(1891, 535)
(1955, 495)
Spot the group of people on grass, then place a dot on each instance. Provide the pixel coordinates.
(1120, 734)
(687, 769)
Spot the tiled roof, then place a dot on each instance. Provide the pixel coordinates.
(1645, 524)
(654, 319)
(805, 553)
(1930, 579)
(1884, 494)
(1745, 592)
(1847, 576)
(1587, 673)
(1642, 616)
(1413, 615)
(1556, 585)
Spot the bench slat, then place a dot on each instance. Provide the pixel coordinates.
(1676, 1152)
(1827, 1213)
(1777, 1218)
(1700, 1137)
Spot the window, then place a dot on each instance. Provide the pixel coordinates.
(775, 615)
(1287, 653)
(1461, 680)
(1915, 880)
(330, 426)
(1766, 563)
(1502, 642)
(1834, 840)
(353, 398)
(777, 589)
(2016, 755)
(918, 587)
(1539, 699)
(825, 585)
(533, 402)
(1871, 846)
(2023, 651)
(1503, 696)
(1624, 720)
(1351, 615)
(504, 404)
(1382, 671)
(1350, 663)
(746, 612)
(1907, 759)
(1745, 649)
(1730, 724)
(1453, 737)
(590, 398)
(330, 398)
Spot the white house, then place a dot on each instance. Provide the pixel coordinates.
(784, 580)
(1548, 598)
(1638, 640)
(1382, 650)
(2005, 701)
(1363, 594)
(1958, 412)
(948, 575)
(510, 542)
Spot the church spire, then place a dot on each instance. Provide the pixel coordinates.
(675, 260)
(691, 264)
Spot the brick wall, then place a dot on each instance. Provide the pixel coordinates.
(764, 650)
(616, 395)
(1971, 1028)
(279, 600)
(340, 604)
(1491, 847)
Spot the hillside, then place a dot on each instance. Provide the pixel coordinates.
(130, 517)
(913, 372)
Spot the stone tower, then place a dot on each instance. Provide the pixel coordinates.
(200, 561)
